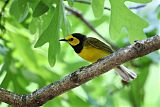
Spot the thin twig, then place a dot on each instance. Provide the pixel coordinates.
(80, 16)
(82, 75)
(137, 7)
(107, 8)
(88, 2)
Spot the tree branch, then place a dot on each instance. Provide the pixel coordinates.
(82, 75)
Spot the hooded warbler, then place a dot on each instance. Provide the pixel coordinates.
(92, 49)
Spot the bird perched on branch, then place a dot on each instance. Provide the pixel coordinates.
(92, 49)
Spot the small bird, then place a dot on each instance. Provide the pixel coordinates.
(92, 49)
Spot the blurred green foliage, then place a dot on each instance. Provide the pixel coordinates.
(29, 34)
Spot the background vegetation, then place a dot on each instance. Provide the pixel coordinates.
(32, 57)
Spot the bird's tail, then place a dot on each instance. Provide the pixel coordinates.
(125, 73)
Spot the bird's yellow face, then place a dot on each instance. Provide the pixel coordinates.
(76, 40)
(72, 40)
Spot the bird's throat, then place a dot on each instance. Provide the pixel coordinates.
(78, 48)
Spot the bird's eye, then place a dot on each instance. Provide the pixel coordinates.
(71, 39)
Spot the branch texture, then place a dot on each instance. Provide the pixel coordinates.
(82, 75)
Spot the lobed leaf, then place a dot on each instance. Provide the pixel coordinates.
(124, 19)
(51, 34)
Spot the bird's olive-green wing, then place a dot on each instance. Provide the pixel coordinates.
(98, 44)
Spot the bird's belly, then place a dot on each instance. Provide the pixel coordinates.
(92, 54)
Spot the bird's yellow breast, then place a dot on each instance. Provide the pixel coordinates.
(92, 54)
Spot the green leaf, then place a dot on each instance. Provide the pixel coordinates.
(52, 52)
(50, 2)
(7, 62)
(54, 46)
(33, 4)
(124, 19)
(46, 35)
(140, 1)
(158, 12)
(25, 50)
(97, 7)
(137, 92)
(6, 67)
(5, 83)
(40, 9)
(70, 2)
(19, 9)
(34, 25)
(76, 101)
(18, 88)
(57, 102)
(39, 24)
(26, 55)
(65, 24)
(32, 77)
(51, 34)
(66, 27)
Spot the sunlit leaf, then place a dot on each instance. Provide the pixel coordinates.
(123, 19)
(39, 24)
(98, 7)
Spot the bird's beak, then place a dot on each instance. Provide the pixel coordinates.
(62, 40)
